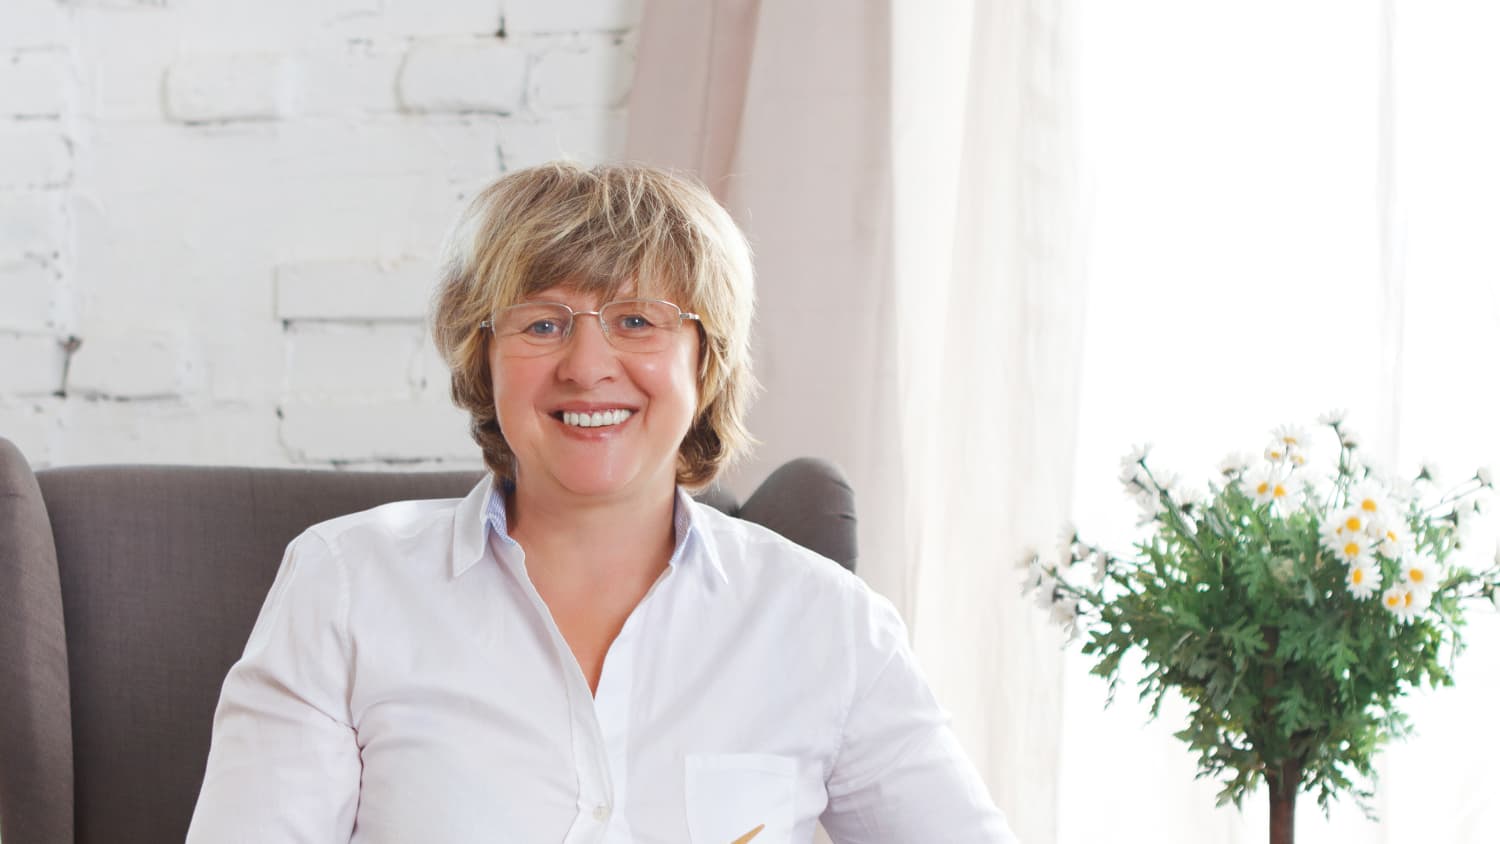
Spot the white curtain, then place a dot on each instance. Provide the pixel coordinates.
(901, 171)
(1289, 207)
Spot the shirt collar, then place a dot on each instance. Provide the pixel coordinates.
(483, 511)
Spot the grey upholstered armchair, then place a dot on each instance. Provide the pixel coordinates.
(126, 592)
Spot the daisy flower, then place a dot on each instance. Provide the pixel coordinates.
(1234, 464)
(1346, 523)
(1404, 602)
(1046, 591)
(1136, 454)
(1352, 548)
(1348, 438)
(1363, 580)
(1333, 417)
(1394, 540)
(1292, 436)
(1369, 499)
(1065, 541)
(1420, 574)
(1270, 485)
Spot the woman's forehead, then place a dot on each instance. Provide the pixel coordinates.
(592, 292)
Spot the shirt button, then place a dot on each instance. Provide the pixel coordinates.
(601, 813)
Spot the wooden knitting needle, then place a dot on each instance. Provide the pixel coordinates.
(744, 839)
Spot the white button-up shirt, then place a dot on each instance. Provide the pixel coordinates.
(405, 682)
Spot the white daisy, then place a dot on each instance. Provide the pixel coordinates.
(1349, 438)
(1065, 611)
(1066, 538)
(1404, 602)
(1421, 573)
(1101, 566)
(1428, 471)
(1234, 464)
(1352, 548)
(1294, 436)
(1392, 537)
(1363, 580)
(1277, 451)
(1269, 484)
(1190, 497)
(1046, 591)
(1136, 454)
(1333, 417)
(1369, 499)
(1345, 522)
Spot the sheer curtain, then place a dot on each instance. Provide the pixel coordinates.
(901, 171)
(1289, 207)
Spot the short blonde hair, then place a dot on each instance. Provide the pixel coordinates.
(601, 230)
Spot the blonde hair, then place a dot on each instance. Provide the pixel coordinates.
(601, 230)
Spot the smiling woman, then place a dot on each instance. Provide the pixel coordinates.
(578, 651)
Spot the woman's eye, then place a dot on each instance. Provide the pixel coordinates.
(543, 328)
(633, 322)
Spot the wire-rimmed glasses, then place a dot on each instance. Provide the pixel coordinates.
(630, 325)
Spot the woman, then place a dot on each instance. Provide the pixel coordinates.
(577, 651)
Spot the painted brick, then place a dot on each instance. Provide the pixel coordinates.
(33, 23)
(353, 290)
(33, 83)
(589, 71)
(30, 364)
(588, 137)
(37, 155)
(352, 361)
(30, 425)
(26, 290)
(351, 79)
(533, 16)
(211, 88)
(429, 374)
(167, 432)
(368, 431)
(131, 365)
(468, 75)
(422, 19)
(32, 224)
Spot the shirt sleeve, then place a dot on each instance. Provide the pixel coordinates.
(900, 774)
(284, 765)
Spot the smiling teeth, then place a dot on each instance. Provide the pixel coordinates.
(597, 419)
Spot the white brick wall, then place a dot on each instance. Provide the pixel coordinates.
(233, 212)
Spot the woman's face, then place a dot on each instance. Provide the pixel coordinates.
(537, 396)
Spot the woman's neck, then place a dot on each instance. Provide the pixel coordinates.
(630, 538)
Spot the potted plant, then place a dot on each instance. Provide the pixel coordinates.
(1292, 610)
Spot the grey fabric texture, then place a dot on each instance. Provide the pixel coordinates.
(36, 739)
(159, 573)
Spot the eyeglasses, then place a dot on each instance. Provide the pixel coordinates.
(630, 325)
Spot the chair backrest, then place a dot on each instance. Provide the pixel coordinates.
(118, 624)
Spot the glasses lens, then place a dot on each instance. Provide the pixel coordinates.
(533, 327)
(641, 324)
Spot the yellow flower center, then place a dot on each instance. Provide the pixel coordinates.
(1418, 575)
(1406, 599)
(1262, 487)
(1278, 492)
(1392, 600)
(1351, 549)
(1352, 523)
(1357, 576)
(1367, 505)
(1391, 535)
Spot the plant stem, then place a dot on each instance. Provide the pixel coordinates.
(1284, 781)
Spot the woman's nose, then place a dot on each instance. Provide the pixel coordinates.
(587, 355)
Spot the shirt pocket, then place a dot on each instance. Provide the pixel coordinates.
(730, 794)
